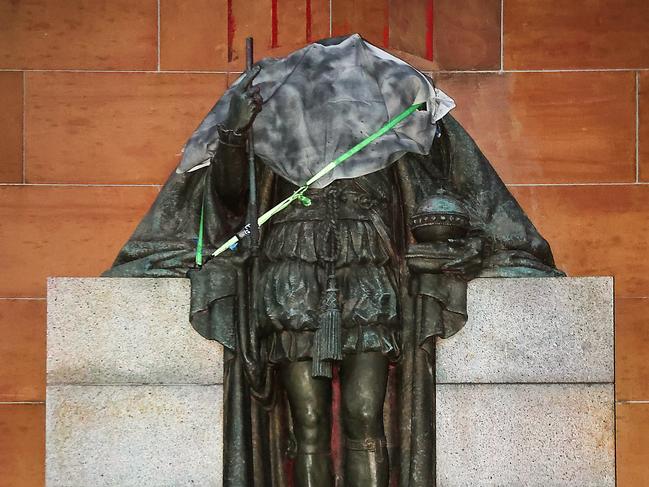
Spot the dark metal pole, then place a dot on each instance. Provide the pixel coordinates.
(253, 210)
(249, 339)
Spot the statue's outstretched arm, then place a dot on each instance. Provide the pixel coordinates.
(230, 167)
(230, 159)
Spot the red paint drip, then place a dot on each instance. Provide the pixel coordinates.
(309, 21)
(430, 27)
(231, 29)
(386, 26)
(273, 16)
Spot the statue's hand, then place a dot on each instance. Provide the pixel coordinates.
(469, 260)
(245, 104)
(454, 256)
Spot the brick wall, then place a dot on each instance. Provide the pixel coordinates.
(98, 98)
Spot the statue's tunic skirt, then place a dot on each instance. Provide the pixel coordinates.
(356, 215)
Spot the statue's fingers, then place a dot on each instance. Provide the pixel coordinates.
(253, 110)
(451, 265)
(257, 99)
(250, 76)
(253, 105)
(455, 263)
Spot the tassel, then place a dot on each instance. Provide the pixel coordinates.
(327, 340)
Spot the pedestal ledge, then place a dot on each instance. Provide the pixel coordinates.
(126, 331)
(533, 330)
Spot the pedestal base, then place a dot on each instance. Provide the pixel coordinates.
(524, 395)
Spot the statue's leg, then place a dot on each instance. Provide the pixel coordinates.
(364, 378)
(310, 402)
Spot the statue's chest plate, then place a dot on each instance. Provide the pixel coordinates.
(345, 199)
(356, 212)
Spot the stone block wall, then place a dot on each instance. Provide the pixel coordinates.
(99, 97)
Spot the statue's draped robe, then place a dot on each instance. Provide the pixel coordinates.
(164, 243)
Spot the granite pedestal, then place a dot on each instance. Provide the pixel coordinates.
(134, 394)
(525, 393)
(524, 396)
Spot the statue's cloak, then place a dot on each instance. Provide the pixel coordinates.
(164, 244)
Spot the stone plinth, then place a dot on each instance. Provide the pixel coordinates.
(525, 393)
(525, 435)
(533, 330)
(126, 331)
(134, 436)
(134, 394)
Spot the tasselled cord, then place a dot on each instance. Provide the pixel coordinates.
(333, 237)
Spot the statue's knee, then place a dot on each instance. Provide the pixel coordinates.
(362, 420)
(312, 431)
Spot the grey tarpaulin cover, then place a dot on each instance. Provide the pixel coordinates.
(322, 100)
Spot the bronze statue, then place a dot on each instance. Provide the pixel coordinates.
(351, 287)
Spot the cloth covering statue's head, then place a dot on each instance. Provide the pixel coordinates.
(320, 101)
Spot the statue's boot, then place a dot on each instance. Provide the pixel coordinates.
(366, 463)
(313, 470)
